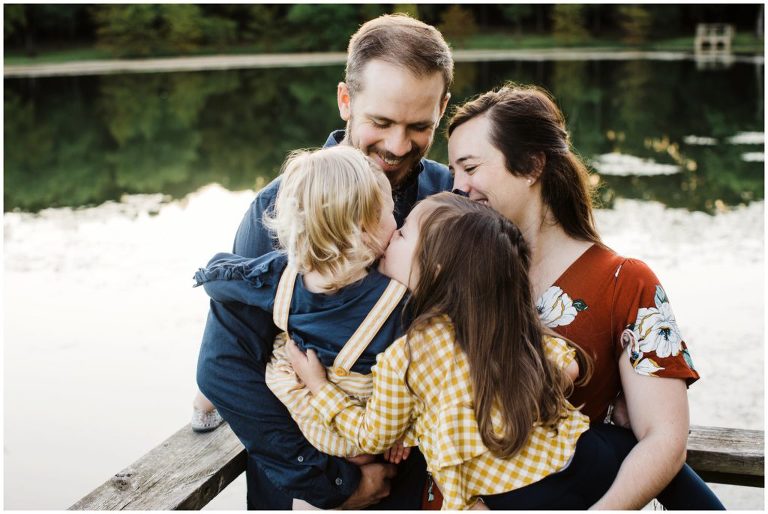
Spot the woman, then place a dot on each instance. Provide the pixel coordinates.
(509, 149)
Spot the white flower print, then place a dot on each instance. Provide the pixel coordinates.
(656, 329)
(647, 367)
(556, 308)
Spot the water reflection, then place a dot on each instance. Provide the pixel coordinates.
(77, 141)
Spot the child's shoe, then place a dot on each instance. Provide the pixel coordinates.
(205, 421)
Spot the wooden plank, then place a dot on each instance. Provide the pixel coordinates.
(188, 470)
(727, 455)
(185, 472)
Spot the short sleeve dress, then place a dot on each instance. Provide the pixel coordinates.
(611, 305)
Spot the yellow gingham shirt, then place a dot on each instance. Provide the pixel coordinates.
(438, 405)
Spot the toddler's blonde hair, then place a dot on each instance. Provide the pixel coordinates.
(327, 212)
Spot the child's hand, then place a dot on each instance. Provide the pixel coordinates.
(620, 412)
(397, 453)
(307, 366)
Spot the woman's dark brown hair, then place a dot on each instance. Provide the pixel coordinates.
(473, 266)
(526, 124)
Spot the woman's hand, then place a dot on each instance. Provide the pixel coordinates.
(307, 366)
(397, 452)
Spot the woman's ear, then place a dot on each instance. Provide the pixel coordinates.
(538, 161)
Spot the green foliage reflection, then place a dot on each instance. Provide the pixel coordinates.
(83, 140)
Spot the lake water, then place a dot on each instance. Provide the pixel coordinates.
(118, 187)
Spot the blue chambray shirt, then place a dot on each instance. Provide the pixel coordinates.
(236, 345)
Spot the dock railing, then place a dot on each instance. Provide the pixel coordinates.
(187, 470)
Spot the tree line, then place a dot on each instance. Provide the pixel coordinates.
(140, 30)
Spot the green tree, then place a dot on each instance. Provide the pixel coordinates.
(321, 27)
(635, 22)
(516, 14)
(457, 24)
(411, 10)
(569, 24)
(129, 30)
(184, 26)
(15, 20)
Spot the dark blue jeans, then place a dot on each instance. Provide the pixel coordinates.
(599, 454)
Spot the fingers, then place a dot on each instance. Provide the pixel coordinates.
(312, 357)
(397, 453)
(294, 353)
(406, 452)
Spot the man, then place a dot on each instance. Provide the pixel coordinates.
(395, 91)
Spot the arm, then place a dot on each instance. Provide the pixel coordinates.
(231, 366)
(385, 417)
(251, 281)
(658, 408)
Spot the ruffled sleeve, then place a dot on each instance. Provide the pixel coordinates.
(232, 278)
(558, 351)
(646, 326)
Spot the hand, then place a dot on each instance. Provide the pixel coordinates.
(374, 486)
(307, 366)
(362, 459)
(397, 452)
(620, 413)
(479, 505)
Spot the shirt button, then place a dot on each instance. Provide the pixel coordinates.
(338, 481)
(301, 459)
(341, 372)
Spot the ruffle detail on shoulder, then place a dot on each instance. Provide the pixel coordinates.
(257, 272)
(457, 436)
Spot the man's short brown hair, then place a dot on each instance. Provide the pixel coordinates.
(400, 40)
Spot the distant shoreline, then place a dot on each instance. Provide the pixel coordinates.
(223, 62)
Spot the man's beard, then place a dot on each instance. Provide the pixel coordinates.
(412, 158)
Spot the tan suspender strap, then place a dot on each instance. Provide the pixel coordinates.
(283, 297)
(370, 326)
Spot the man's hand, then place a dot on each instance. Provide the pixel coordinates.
(307, 366)
(374, 486)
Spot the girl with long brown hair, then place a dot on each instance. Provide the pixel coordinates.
(475, 378)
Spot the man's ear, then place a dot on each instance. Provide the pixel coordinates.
(444, 104)
(344, 101)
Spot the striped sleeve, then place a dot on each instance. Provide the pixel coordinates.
(386, 416)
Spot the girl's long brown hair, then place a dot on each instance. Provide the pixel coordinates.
(527, 123)
(473, 266)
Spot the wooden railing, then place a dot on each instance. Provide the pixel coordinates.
(188, 470)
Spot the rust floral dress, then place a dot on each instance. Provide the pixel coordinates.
(615, 307)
